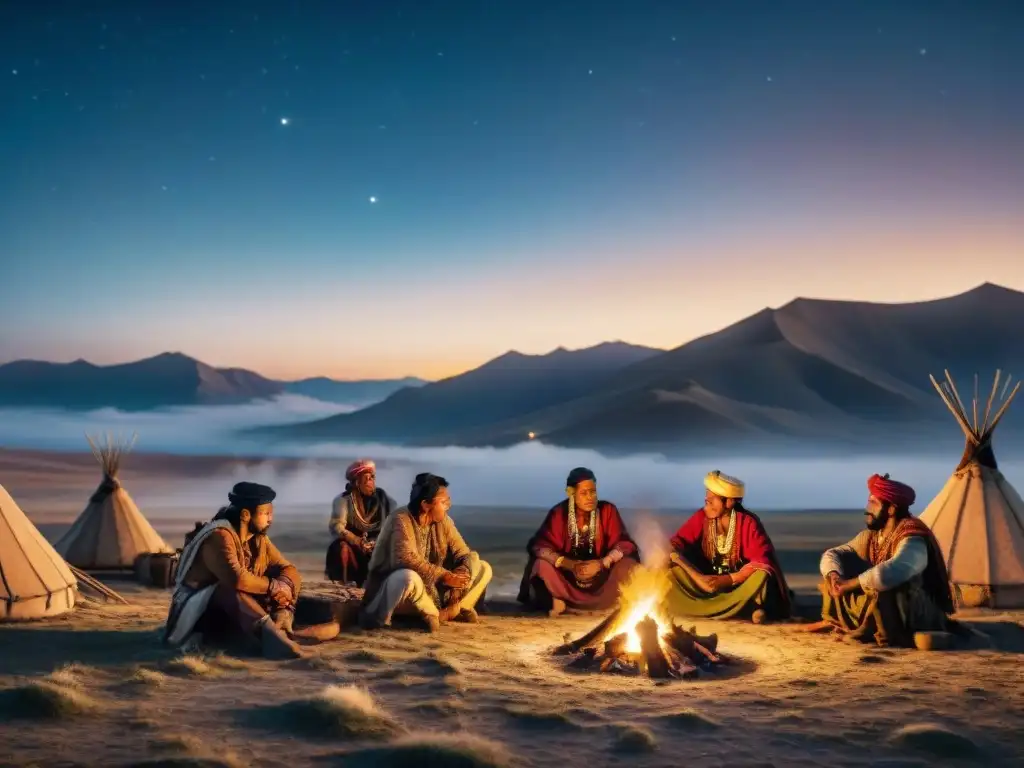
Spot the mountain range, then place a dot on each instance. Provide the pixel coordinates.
(167, 380)
(810, 373)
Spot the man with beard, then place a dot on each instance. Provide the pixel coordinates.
(421, 565)
(890, 580)
(356, 519)
(723, 565)
(581, 553)
(233, 582)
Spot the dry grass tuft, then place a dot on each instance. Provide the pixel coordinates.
(433, 750)
(364, 656)
(336, 712)
(689, 720)
(72, 675)
(633, 739)
(143, 677)
(436, 665)
(540, 719)
(192, 665)
(223, 661)
(46, 700)
(936, 740)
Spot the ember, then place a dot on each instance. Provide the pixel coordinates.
(637, 639)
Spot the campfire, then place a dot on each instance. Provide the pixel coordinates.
(637, 639)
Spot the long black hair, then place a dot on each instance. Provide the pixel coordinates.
(425, 488)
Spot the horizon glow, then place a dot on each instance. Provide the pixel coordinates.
(325, 195)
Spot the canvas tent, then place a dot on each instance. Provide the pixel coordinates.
(111, 532)
(35, 582)
(978, 517)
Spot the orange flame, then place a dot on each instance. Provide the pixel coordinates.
(642, 595)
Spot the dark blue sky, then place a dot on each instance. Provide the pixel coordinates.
(198, 176)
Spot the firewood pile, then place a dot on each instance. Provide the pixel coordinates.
(677, 653)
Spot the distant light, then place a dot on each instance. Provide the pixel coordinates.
(373, 199)
(285, 121)
(924, 51)
(532, 435)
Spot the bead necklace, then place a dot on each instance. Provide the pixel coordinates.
(723, 544)
(589, 531)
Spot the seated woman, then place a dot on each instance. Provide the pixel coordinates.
(580, 554)
(356, 519)
(723, 564)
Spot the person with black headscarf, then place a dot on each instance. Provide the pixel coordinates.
(232, 580)
(581, 553)
(422, 565)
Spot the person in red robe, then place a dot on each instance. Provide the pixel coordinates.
(723, 564)
(580, 554)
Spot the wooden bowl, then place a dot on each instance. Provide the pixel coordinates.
(932, 641)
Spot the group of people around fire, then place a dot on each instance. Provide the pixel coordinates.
(885, 584)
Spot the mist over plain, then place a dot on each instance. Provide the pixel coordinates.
(529, 474)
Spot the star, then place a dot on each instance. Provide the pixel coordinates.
(373, 198)
(285, 121)
(590, 71)
(923, 51)
(14, 71)
(769, 78)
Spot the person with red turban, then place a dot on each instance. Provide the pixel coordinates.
(723, 563)
(890, 580)
(356, 519)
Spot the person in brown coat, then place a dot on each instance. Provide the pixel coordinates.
(232, 580)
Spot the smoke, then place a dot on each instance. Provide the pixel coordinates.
(529, 474)
(651, 538)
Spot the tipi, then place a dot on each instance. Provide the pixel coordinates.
(110, 532)
(978, 517)
(34, 581)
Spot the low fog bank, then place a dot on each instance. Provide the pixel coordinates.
(534, 476)
(529, 474)
(186, 429)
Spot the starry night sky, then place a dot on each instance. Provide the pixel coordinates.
(388, 188)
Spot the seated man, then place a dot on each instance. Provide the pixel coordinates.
(421, 566)
(356, 518)
(723, 564)
(232, 580)
(580, 554)
(890, 580)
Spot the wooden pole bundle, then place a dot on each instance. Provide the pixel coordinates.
(97, 586)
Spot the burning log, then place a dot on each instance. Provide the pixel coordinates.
(593, 636)
(615, 646)
(684, 641)
(650, 647)
(675, 653)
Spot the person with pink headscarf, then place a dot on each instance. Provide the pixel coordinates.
(356, 519)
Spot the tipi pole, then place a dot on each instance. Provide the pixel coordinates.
(953, 409)
(974, 403)
(991, 399)
(1006, 404)
(952, 386)
(97, 585)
